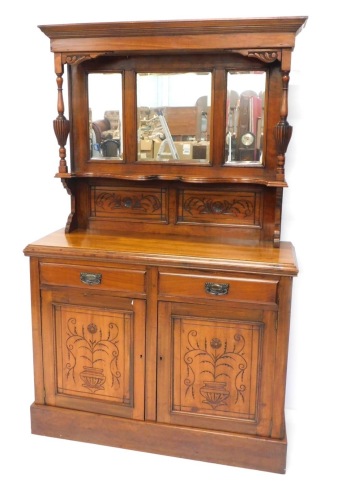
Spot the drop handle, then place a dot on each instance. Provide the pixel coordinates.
(91, 278)
(217, 288)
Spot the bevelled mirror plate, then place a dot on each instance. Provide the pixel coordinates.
(173, 117)
(105, 116)
(245, 116)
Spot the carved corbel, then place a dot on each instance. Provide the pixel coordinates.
(278, 217)
(71, 221)
(267, 56)
(61, 124)
(73, 59)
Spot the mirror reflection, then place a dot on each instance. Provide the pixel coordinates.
(105, 115)
(173, 117)
(245, 116)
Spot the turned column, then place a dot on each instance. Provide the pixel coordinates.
(283, 130)
(61, 124)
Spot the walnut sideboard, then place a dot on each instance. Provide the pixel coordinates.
(161, 311)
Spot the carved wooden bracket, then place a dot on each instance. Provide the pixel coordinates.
(71, 221)
(278, 217)
(73, 59)
(266, 56)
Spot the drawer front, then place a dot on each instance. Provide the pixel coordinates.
(93, 277)
(218, 287)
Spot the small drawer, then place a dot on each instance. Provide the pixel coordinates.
(218, 287)
(93, 277)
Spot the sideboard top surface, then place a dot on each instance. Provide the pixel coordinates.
(155, 249)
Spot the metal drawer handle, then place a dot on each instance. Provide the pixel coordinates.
(217, 288)
(91, 278)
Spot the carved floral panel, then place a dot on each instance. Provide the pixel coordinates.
(93, 353)
(236, 208)
(132, 204)
(215, 369)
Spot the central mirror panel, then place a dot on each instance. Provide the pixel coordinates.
(174, 117)
(245, 116)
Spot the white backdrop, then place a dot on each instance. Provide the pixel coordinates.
(33, 204)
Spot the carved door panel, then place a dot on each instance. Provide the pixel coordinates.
(93, 352)
(216, 367)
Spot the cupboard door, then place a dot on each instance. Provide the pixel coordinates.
(93, 352)
(216, 367)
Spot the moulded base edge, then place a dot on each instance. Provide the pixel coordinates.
(239, 450)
